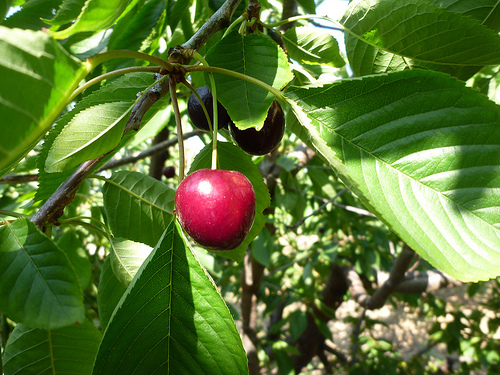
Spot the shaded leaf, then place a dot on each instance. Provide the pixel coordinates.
(73, 247)
(171, 320)
(138, 207)
(37, 76)
(39, 286)
(70, 349)
(256, 56)
(109, 293)
(423, 152)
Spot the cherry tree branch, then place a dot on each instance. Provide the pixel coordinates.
(396, 276)
(219, 20)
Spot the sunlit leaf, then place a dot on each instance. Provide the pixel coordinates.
(95, 15)
(37, 76)
(384, 36)
(126, 257)
(423, 152)
(313, 46)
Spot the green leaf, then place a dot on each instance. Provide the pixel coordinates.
(109, 293)
(37, 76)
(31, 14)
(308, 5)
(67, 12)
(96, 15)
(138, 207)
(256, 56)
(67, 350)
(313, 46)
(39, 286)
(131, 33)
(383, 36)
(423, 152)
(230, 157)
(171, 320)
(73, 247)
(91, 133)
(121, 90)
(126, 257)
(176, 10)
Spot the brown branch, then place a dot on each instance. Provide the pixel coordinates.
(250, 280)
(311, 341)
(158, 160)
(160, 147)
(396, 276)
(14, 179)
(219, 20)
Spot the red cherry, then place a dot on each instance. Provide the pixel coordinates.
(216, 207)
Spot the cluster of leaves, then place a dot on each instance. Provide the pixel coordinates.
(415, 136)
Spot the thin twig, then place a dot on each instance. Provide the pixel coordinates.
(316, 212)
(112, 164)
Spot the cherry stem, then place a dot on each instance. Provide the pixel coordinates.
(215, 124)
(195, 93)
(114, 73)
(255, 81)
(298, 18)
(240, 19)
(117, 54)
(177, 113)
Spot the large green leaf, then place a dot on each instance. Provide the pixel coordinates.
(91, 133)
(312, 46)
(39, 286)
(256, 56)
(423, 152)
(37, 76)
(138, 207)
(95, 15)
(171, 320)
(231, 157)
(122, 90)
(383, 36)
(66, 350)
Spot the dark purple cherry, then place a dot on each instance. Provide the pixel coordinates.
(196, 114)
(265, 140)
(216, 207)
(168, 172)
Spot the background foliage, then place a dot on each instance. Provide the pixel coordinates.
(382, 196)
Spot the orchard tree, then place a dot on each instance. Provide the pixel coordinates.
(128, 248)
